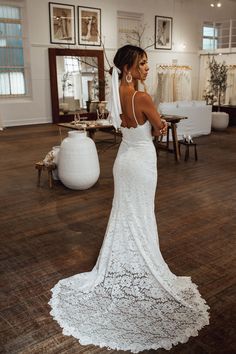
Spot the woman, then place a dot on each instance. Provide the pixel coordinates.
(131, 300)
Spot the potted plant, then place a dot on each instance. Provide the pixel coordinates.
(218, 85)
(218, 79)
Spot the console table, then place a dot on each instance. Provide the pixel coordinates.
(91, 127)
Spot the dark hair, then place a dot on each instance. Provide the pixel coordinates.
(127, 55)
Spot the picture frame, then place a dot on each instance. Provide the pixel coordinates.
(89, 26)
(62, 23)
(163, 32)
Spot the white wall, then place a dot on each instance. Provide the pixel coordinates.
(188, 16)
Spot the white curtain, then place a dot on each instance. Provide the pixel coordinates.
(230, 94)
(204, 76)
(12, 83)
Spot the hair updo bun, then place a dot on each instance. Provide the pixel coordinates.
(127, 55)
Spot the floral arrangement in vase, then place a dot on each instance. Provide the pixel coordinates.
(209, 97)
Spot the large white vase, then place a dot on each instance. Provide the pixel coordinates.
(220, 120)
(78, 164)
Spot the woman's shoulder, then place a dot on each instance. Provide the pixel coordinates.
(143, 97)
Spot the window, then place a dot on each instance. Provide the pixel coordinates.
(210, 36)
(72, 64)
(219, 35)
(130, 28)
(12, 68)
(224, 34)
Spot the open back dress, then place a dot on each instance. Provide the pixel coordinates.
(131, 300)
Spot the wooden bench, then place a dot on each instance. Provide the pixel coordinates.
(41, 166)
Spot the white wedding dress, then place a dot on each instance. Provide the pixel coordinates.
(130, 300)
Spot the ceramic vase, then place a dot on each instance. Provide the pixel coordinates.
(78, 164)
(220, 120)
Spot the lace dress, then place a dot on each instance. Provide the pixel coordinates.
(130, 300)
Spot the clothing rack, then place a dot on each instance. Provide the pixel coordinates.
(165, 66)
(173, 83)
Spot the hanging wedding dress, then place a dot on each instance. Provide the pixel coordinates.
(130, 300)
(173, 84)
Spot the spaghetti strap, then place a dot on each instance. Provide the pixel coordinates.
(133, 108)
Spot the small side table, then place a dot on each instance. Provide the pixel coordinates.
(40, 166)
(187, 146)
(172, 121)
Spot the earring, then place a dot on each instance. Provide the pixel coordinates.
(129, 77)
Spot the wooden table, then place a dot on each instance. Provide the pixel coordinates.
(88, 126)
(92, 126)
(172, 120)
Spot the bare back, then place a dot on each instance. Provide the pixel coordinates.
(133, 114)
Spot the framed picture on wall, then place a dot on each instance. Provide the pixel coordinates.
(89, 26)
(163, 32)
(62, 23)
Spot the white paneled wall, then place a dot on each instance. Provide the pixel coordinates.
(188, 16)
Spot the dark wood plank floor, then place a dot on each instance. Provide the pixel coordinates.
(48, 234)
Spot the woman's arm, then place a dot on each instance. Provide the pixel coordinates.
(148, 108)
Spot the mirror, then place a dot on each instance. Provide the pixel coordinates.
(77, 82)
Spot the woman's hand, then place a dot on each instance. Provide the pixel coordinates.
(163, 129)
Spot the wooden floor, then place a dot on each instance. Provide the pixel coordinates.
(47, 235)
